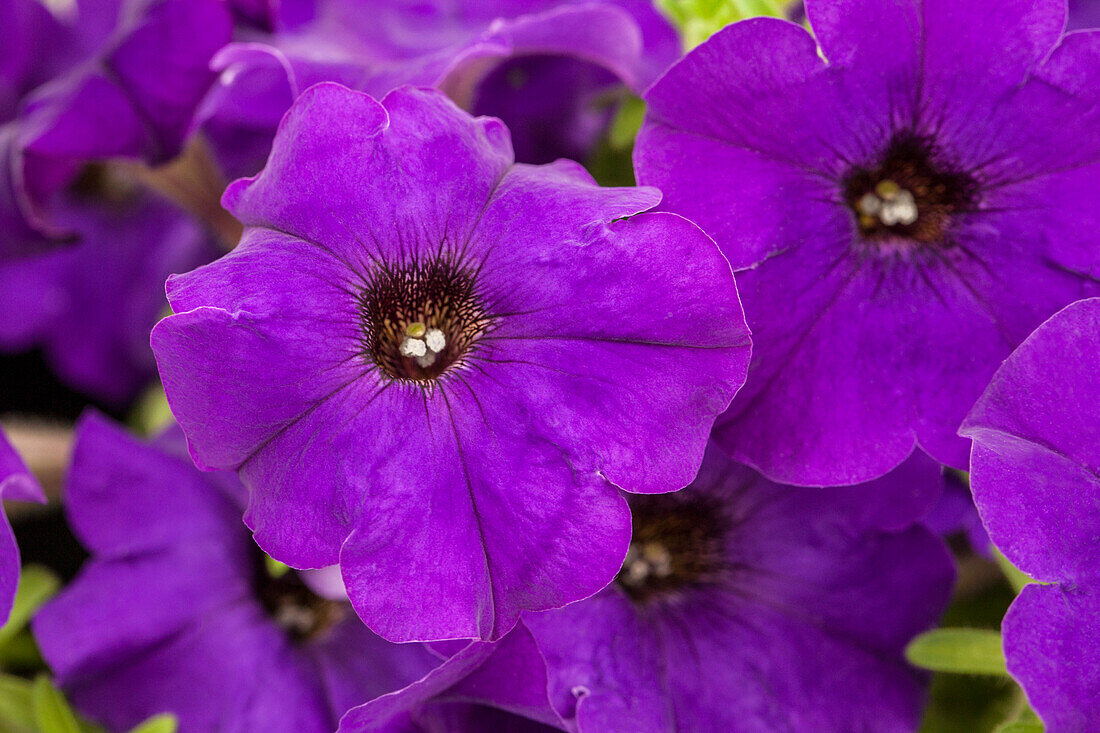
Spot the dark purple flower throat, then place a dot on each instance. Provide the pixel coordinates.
(419, 318)
(909, 194)
(676, 545)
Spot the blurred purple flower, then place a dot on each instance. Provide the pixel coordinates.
(84, 249)
(908, 202)
(554, 69)
(90, 306)
(125, 86)
(428, 362)
(176, 611)
(16, 484)
(1035, 473)
(750, 606)
(955, 514)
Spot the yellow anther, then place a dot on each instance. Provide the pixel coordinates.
(416, 330)
(887, 189)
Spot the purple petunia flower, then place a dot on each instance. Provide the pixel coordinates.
(176, 611)
(909, 192)
(123, 84)
(16, 484)
(111, 80)
(1034, 474)
(749, 606)
(90, 306)
(430, 364)
(553, 70)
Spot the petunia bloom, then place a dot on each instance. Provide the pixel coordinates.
(18, 484)
(84, 248)
(1034, 474)
(909, 193)
(432, 365)
(177, 611)
(90, 306)
(744, 605)
(554, 71)
(108, 80)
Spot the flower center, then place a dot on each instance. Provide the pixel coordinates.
(289, 602)
(106, 183)
(676, 544)
(421, 318)
(909, 195)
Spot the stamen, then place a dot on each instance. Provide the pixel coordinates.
(435, 340)
(646, 561)
(421, 318)
(413, 348)
(677, 544)
(910, 195)
(295, 608)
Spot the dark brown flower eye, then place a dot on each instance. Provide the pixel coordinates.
(290, 603)
(420, 318)
(908, 195)
(676, 544)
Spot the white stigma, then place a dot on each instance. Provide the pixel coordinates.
(413, 348)
(890, 204)
(645, 561)
(422, 344)
(435, 340)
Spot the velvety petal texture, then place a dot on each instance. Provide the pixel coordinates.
(18, 484)
(878, 321)
(750, 606)
(175, 611)
(1083, 14)
(591, 349)
(1035, 473)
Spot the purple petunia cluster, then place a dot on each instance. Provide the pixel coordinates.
(405, 419)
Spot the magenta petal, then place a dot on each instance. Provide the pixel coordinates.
(16, 483)
(872, 335)
(335, 186)
(389, 713)
(801, 600)
(1035, 460)
(1034, 475)
(1051, 634)
(110, 518)
(471, 486)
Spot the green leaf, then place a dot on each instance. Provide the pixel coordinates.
(962, 651)
(51, 711)
(151, 412)
(275, 568)
(627, 122)
(16, 712)
(36, 586)
(1016, 578)
(1025, 722)
(699, 19)
(163, 723)
(20, 652)
(1020, 726)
